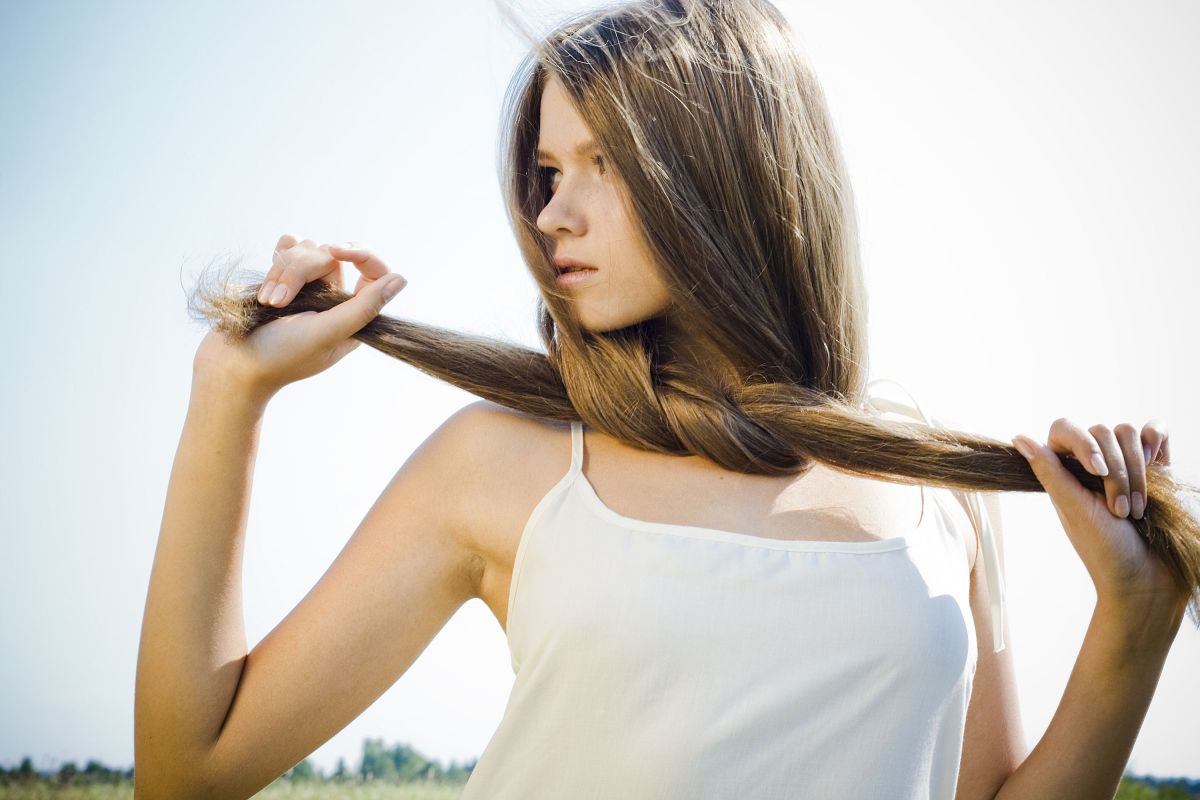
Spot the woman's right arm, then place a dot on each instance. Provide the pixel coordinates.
(211, 719)
(193, 641)
(215, 721)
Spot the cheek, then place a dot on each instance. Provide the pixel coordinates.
(649, 275)
(644, 290)
(651, 284)
(633, 270)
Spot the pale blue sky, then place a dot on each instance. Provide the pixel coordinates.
(1026, 178)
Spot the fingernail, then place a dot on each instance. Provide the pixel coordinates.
(1099, 466)
(1122, 505)
(1022, 448)
(1146, 451)
(279, 293)
(393, 287)
(264, 292)
(1139, 505)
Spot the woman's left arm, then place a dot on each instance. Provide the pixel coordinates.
(1138, 611)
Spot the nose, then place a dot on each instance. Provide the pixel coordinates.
(561, 215)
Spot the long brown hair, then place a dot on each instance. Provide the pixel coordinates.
(716, 125)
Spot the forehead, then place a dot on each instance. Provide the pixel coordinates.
(562, 132)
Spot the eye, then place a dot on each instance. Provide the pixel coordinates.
(548, 173)
(548, 177)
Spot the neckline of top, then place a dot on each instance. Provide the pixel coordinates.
(604, 511)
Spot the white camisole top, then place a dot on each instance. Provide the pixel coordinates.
(656, 661)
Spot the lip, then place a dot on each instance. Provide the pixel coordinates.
(562, 263)
(568, 280)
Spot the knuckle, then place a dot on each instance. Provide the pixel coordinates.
(1125, 429)
(1099, 429)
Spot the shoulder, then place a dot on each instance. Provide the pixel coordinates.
(502, 460)
(486, 436)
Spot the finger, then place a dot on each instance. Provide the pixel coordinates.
(285, 241)
(1116, 483)
(335, 276)
(303, 262)
(349, 316)
(278, 263)
(274, 286)
(1135, 466)
(370, 265)
(1067, 437)
(1071, 498)
(1154, 442)
(271, 279)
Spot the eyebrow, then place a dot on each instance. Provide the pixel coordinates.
(580, 149)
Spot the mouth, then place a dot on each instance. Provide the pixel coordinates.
(567, 265)
(571, 276)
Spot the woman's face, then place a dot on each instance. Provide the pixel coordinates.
(586, 220)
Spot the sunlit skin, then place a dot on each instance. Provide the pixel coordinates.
(586, 220)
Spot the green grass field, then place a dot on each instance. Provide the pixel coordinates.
(378, 790)
(280, 790)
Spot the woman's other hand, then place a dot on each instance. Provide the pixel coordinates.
(1125, 571)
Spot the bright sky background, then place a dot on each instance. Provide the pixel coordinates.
(1026, 178)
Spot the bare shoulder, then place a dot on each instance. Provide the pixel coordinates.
(495, 444)
(505, 461)
(493, 429)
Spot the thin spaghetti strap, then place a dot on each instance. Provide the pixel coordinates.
(576, 448)
(991, 562)
(979, 517)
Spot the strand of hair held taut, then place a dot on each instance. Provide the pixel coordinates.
(823, 428)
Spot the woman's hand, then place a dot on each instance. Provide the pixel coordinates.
(1126, 572)
(301, 345)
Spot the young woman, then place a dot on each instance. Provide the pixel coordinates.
(722, 569)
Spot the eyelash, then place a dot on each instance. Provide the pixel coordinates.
(597, 160)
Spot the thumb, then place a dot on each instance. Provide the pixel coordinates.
(350, 316)
(1063, 487)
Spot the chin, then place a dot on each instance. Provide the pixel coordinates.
(597, 321)
(609, 325)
